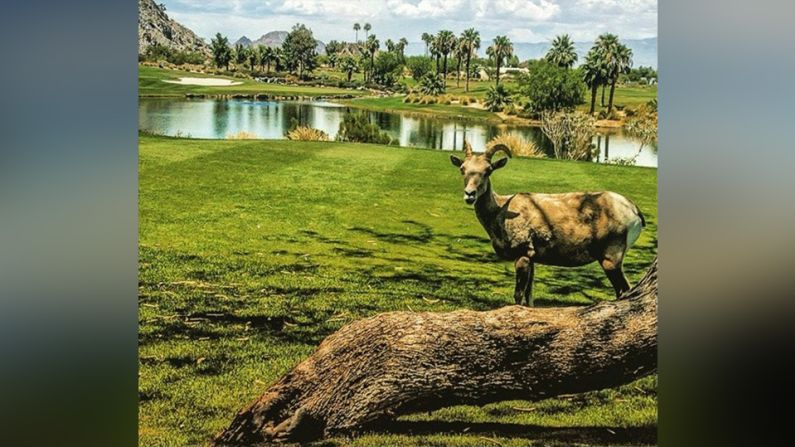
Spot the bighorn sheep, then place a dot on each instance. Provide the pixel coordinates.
(570, 230)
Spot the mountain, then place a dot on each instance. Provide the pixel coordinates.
(245, 41)
(275, 39)
(154, 27)
(644, 51)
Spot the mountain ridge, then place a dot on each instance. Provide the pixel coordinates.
(155, 27)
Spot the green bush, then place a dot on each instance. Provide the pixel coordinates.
(431, 84)
(355, 127)
(497, 98)
(386, 69)
(419, 66)
(552, 88)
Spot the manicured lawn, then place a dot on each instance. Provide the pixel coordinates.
(150, 83)
(396, 104)
(251, 252)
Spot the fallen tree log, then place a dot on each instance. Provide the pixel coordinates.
(375, 369)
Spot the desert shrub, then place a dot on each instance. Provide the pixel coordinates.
(644, 128)
(464, 101)
(427, 99)
(497, 98)
(431, 84)
(242, 135)
(408, 99)
(158, 52)
(518, 146)
(355, 127)
(571, 134)
(303, 133)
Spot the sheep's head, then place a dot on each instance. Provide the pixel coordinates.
(476, 169)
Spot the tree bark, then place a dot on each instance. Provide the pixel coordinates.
(593, 97)
(612, 91)
(469, 58)
(603, 94)
(372, 370)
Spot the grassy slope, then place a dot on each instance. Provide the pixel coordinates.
(252, 251)
(150, 83)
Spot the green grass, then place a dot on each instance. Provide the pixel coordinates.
(150, 83)
(396, 104)
(628, 96)
(251, 252)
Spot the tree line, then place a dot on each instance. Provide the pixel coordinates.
(552, 82)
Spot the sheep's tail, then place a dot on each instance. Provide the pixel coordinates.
(642, 217)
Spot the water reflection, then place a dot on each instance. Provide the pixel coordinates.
(211, 118)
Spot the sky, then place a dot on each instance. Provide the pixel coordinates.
(520, 20)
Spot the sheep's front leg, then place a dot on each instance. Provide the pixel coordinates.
(524, 271)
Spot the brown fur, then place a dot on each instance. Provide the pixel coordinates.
(570, 230)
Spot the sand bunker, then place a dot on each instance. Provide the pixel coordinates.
(214, 82)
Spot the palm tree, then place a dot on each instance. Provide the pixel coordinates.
(593, 73)
(348, 65)
(562, 52)
(266, 56)
(390, 45)
(253, 57)
(445, 43)
(500, 49)
(241, 55)
(402, 43)
(471, 40)
(436, 54)
(616, 58)
(222, 54)
(623, 62)
(428, 39)
(371, 46)
(460, 51)
(356, 28)
(367, 29)
(606, 43)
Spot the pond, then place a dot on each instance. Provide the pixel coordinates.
(219, 118)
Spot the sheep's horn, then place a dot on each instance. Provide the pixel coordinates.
(467, 149)
(491, 151)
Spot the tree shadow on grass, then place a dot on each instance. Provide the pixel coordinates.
(563, 435)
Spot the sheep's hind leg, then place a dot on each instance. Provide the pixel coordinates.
(528, 291)
(614, 269)
(524, 268)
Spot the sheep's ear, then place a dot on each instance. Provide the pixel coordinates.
(499, 163)
(457, 162)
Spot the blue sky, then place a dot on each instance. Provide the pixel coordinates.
(521, 20)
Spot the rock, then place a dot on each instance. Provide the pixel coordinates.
(155, 27)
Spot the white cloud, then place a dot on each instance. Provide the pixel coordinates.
(426, 8)
(539, 10)
(320, 7)
(521, 20)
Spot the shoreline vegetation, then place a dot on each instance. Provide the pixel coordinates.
(153, 83)
(238, 284)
